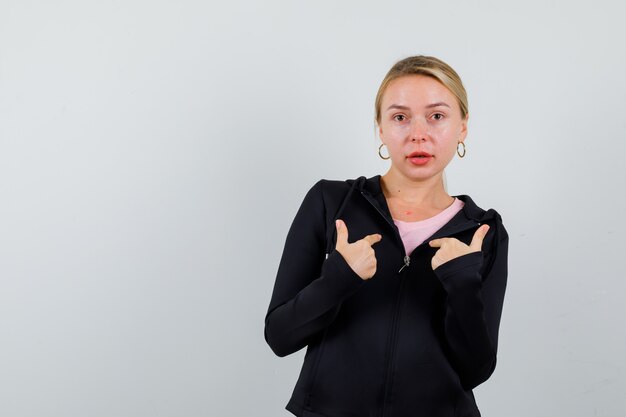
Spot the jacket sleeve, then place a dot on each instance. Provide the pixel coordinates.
(473, 310)
(309, 289)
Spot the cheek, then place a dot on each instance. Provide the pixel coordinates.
(446, 130)
(395, 131)
(448, 135)
(391, 134)
(453, 129)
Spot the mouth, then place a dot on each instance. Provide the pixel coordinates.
(420, 158)
(419, 155)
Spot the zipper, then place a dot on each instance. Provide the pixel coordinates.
(392, 348)
(407, 259)
(406, 262)
(392, 342)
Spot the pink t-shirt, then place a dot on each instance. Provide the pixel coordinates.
(415, 233)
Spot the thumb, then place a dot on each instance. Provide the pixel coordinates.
(479, 235)
(342, 233)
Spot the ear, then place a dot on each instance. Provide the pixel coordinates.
(463, 132)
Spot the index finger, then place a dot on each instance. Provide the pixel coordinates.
(371, 239)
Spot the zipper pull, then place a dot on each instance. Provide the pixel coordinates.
(407, 261)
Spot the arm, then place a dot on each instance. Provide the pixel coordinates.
(473, 310)
(309, 290)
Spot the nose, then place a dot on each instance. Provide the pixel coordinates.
(419, 130)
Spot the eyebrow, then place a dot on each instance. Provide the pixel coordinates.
(428, 106)
(439, 103)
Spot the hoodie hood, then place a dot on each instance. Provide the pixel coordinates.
(373, 187)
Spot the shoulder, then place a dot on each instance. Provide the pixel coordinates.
(477, 212)
(491, 216)
(324, 193)
(333, 189)
(496, 241)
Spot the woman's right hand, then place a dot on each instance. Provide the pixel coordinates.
(359, 255)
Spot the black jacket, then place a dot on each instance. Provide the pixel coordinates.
(410, 341)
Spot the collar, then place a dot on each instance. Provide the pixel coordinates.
(471, 211)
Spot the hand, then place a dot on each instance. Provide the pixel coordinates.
(359, 255)
(450, 247)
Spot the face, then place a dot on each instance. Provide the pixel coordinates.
(418, 113)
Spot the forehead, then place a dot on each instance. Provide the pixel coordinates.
(417, 90)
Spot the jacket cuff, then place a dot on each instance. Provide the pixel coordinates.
(461, 272)
(343, 278)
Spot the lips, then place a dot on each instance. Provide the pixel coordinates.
(420, 158)
(418, 154)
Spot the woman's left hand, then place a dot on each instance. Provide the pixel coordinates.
(451, 247)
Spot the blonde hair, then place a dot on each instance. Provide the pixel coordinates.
(431, 67)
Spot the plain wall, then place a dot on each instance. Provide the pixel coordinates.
(153, 155)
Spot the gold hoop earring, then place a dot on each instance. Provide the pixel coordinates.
(379, 154)
(457, 149)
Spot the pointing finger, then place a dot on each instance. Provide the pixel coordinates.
(436, 243)
(371, 239)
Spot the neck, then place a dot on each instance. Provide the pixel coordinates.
(428, 192)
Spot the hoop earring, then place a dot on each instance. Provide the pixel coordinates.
(457, 149)
(379, 154)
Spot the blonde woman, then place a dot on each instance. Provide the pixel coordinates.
(395, 287)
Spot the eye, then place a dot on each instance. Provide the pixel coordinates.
(438, 116)
(399, 117)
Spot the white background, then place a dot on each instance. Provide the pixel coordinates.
(153, 155)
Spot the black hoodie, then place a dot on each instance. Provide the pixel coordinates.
(408, 342)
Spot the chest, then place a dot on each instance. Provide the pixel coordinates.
(410, 213)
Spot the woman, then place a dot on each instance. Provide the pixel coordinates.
(395, 287)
